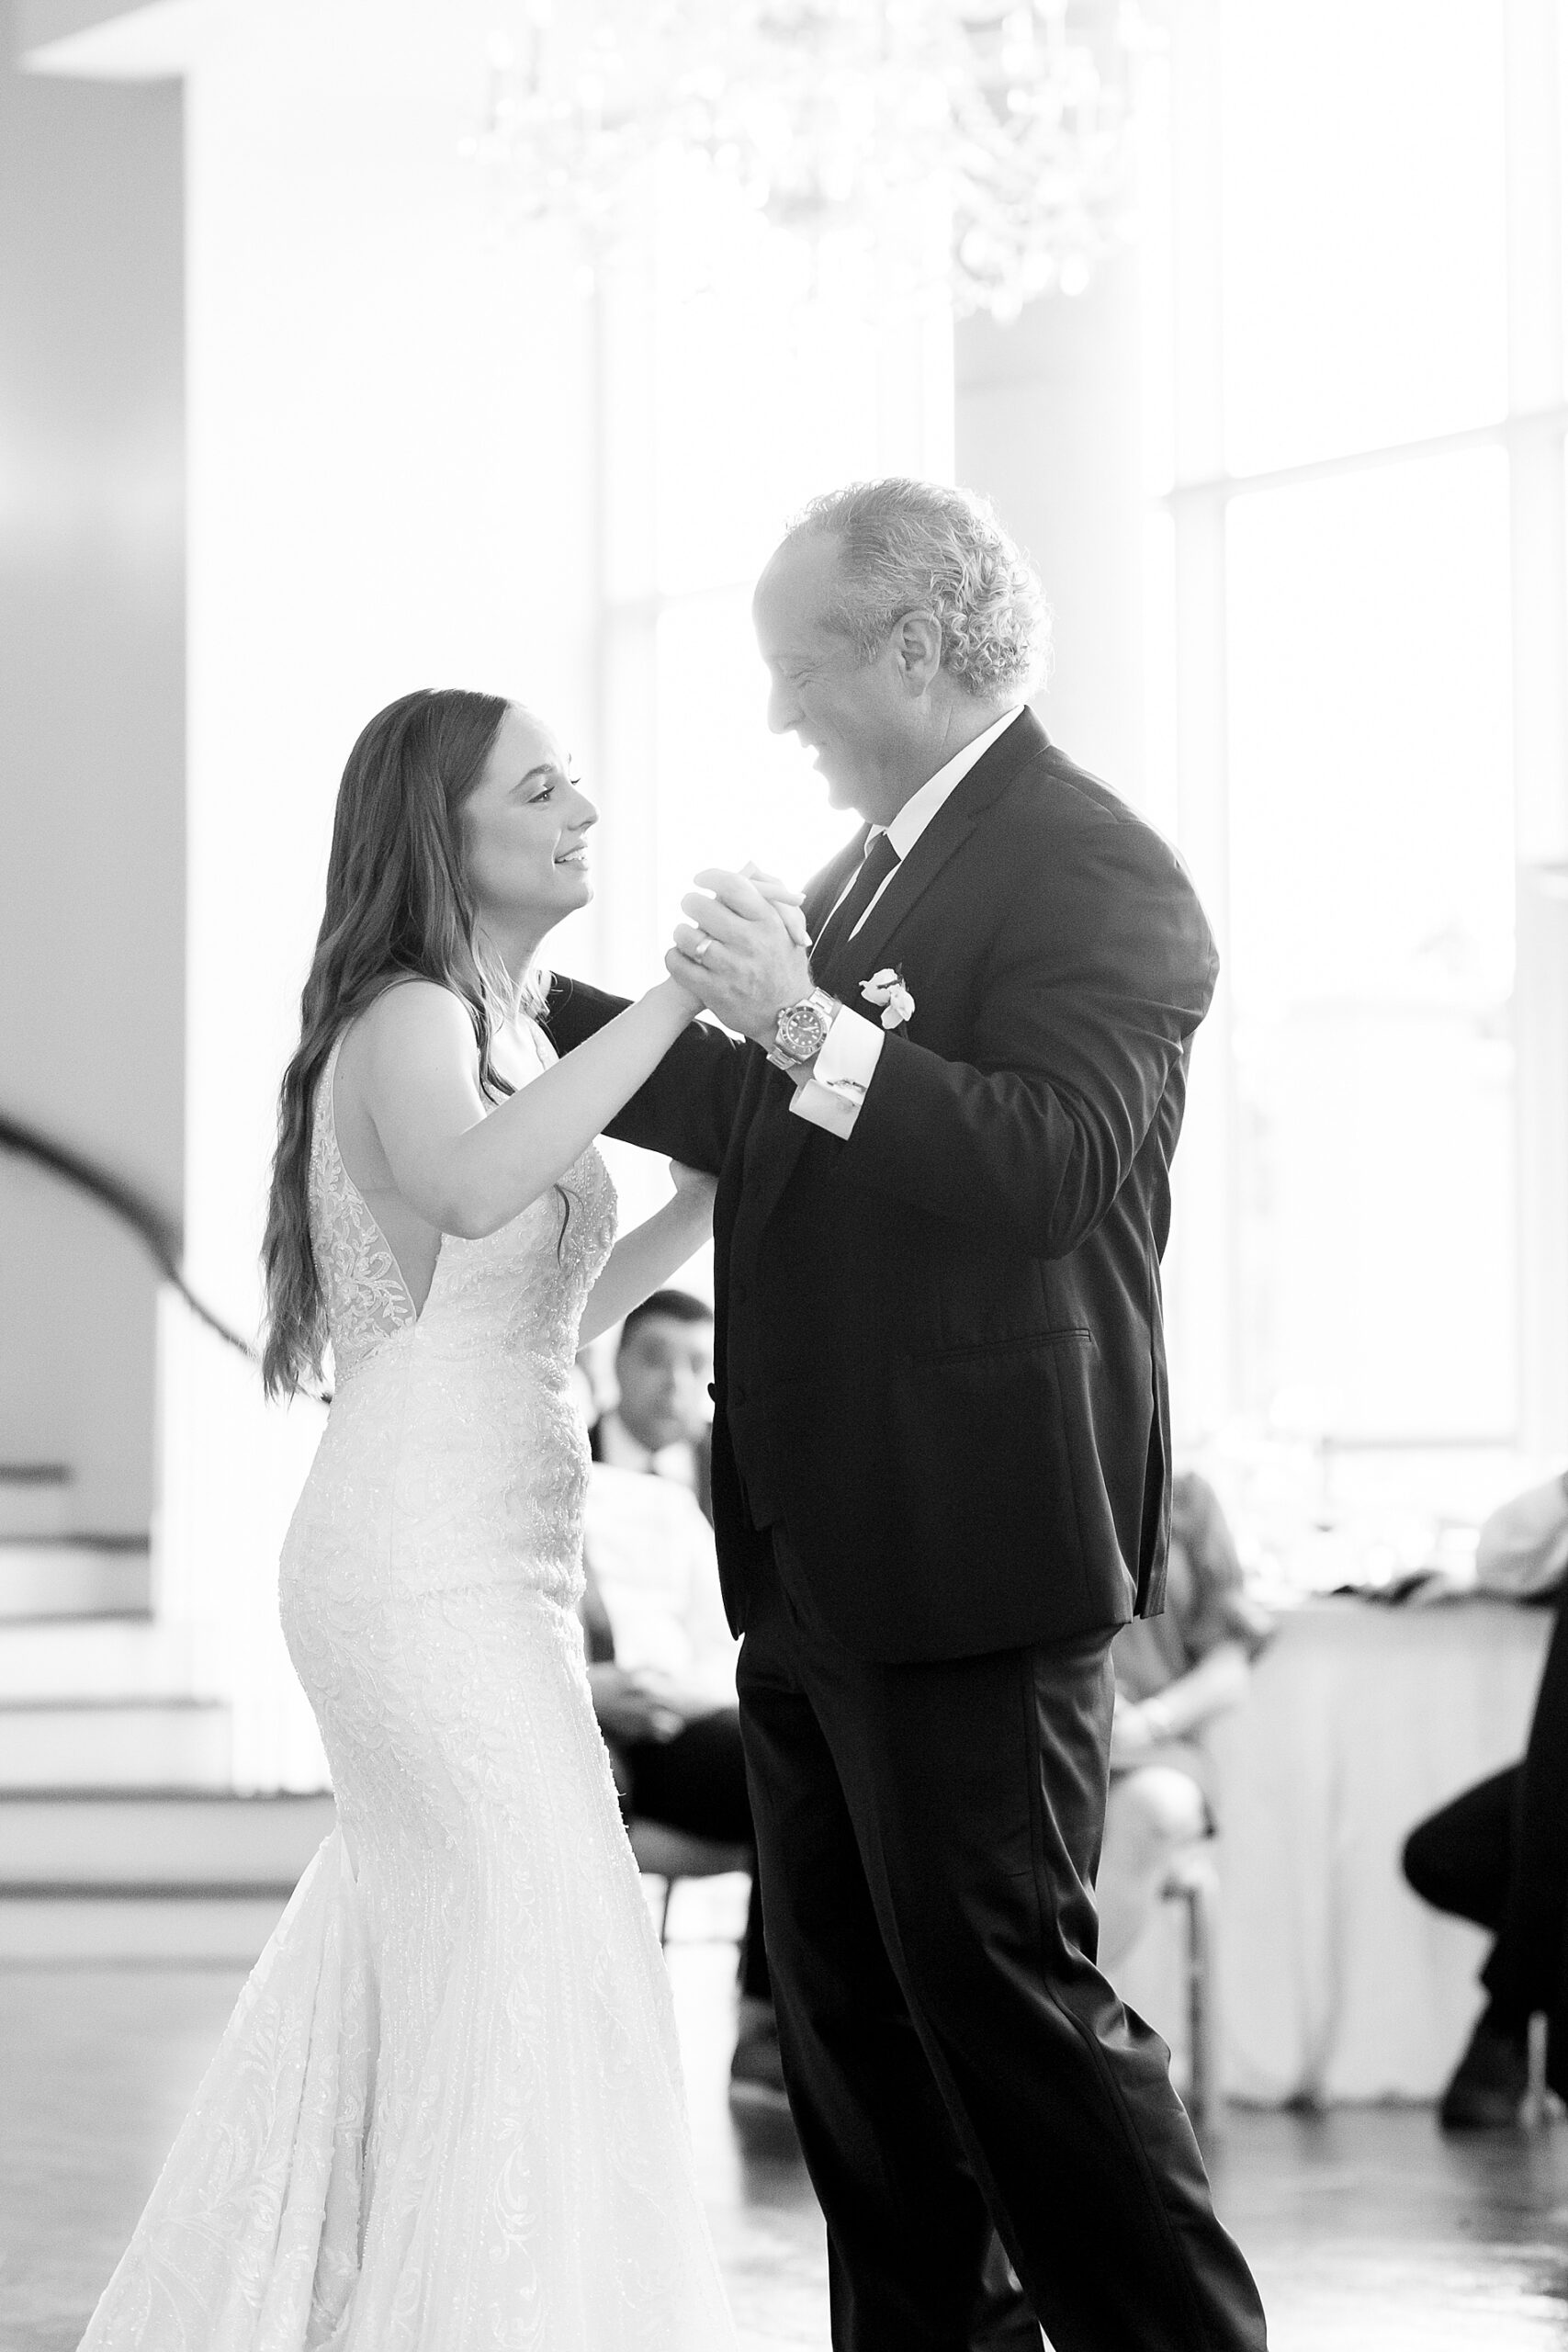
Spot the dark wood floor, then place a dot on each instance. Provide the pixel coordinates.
(1366, 2228)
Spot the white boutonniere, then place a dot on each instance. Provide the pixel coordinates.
(887, 989)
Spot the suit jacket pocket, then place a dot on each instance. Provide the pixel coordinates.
(993, 1451)
(1016, 1342)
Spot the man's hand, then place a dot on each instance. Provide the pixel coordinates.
(1131, 1734)
(739, 953)
(631, 1706)
(788, 901)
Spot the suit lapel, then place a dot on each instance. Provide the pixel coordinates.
(856, 958)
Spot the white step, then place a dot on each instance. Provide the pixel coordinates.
(92, 1657)
(151, 1875)
(75, 1576)
(35, 1499)
(114, 1744)
(194, 1930)
(66, 1840)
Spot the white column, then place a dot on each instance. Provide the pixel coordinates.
(1049, 427)
(1203, 1277)
(391, 485)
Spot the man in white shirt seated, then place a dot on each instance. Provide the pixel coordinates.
(661, 1658)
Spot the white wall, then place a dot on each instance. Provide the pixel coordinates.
(392, 484)
(92, 908)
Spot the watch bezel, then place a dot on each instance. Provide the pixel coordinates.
(790, 1047)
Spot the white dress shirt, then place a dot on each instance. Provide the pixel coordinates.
(652, 1554)
(848, 1055)
(622, 1451)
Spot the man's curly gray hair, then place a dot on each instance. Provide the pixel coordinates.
(918, 547)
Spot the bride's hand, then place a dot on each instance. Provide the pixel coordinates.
(779, 894)
(689, 994)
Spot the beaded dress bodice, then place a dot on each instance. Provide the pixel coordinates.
(476, 1284)
(489, 1425)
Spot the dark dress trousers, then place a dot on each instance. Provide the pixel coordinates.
(941, 1482)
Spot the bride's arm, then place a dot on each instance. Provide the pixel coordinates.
(468, 1169)
(643, 1260)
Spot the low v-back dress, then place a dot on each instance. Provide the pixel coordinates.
(447, 2114)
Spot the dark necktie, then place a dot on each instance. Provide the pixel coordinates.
(877, 864)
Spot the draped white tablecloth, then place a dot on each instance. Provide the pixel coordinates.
(1334, 1982)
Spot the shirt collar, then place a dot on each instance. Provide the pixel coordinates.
(921, 805)
(619, 1450)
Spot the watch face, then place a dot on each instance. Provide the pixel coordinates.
(801, 1031)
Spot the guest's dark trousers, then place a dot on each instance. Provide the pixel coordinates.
(928, 1836)
(696, 1782)
(1498, 1854)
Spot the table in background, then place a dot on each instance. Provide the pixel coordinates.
(1334, 1982)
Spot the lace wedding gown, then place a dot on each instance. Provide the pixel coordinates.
(447, 2114)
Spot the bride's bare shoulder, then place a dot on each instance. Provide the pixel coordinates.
(417, 1034)
(417, 1012)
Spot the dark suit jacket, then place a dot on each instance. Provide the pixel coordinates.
(940, 1358)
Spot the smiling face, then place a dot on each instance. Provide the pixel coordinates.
(865, 721)
(525, 829)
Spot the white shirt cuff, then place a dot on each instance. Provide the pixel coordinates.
(846, 1064)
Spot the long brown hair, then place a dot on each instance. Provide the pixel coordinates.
(398, 904)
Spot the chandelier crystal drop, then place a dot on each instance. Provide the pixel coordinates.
(994, 136)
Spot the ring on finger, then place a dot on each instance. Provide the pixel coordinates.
(704, 942)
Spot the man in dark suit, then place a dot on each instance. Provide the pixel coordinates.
(941, 1451)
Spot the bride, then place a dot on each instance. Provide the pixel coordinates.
(447, 2114)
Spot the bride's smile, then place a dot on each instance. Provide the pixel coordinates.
(524, 833)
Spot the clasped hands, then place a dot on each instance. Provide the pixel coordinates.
(744, 954)
(642, 1703)
(1137, 1728)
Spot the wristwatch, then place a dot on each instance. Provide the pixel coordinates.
(802, 1029)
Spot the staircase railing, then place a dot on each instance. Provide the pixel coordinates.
(152, 1226)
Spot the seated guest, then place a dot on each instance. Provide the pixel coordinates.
(661, 1670)
(1498, 1854)
(1174, 1674)
(662, 1420)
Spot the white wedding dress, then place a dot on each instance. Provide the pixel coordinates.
(447, 2114)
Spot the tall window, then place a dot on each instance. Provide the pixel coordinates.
(1360, 527)
(736, 381)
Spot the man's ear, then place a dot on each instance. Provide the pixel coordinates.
(917, 643)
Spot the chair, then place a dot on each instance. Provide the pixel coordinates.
(1193, 1880)
(675, 1854)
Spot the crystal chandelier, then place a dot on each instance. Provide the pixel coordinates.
(1006, 123)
